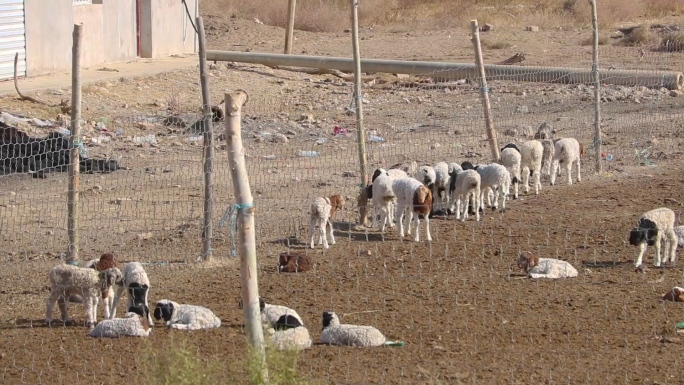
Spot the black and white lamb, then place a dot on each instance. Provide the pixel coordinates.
(272, 314)
(414, 200)
(426, 175)
(185, 317)
(289, 334)
(652, 226)
(531, 154)
(383, 197)
(335, 333)
(440, 189)
(511, 159)
(566, 152)
(136, 284)
(135, 324)
(462, 185)
(67, 280)
(496, 178)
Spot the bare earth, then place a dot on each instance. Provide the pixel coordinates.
(457, 302)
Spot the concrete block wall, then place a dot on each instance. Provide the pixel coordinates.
(166, 29)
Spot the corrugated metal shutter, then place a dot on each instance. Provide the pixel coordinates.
(12, 38)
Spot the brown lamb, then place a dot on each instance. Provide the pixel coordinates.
(294, 262)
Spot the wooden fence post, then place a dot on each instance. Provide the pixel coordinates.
(75, 146)
(358, 95)
(484, 92)
(598, 142)
(245, 229)
(208, 127)
(289, 32)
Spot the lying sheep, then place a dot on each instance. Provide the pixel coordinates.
(321, 213)
(674, 295)
(510, 158)
(462, 185)
(567, 152)
(545, 267)
(294, 263)
(531, 154)
(137, 285)
(335, 333)
(496, 178)
(185, 317)
(135, 324)
(271, 314)
(651, 228)
(413, 201)
(288, 334)
(66, 280)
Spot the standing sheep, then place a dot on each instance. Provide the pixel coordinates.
(137, 285)
(651, 228)
(496, 178)
(440, 189)
(511, 158)
(567, 152)
(321, 213)
(426, 175)
(66, 280)
(413, 201)
(545, 267)
(106, 261)
(385, 197)
(185, 317)
(335, 333)
(462, 184)
(531, 153)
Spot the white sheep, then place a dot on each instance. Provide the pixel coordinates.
(133, 324)
(441, 184)
(545, 267)
(531, 154)
(651, 227)
(136, 283)
(271, 314)
(567, 152)
(321, 212)
(185, 317)
(497, 178)
(462, 185)
(547, 156)
(416, 198)
(426, 175)
(289, 334)
(381, 194)
(66, 280)
(511, 159)
(335, 333)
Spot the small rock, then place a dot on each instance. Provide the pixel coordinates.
(522, 109)
(675, 93)
(279, 138)
(144, 236)
(486, 28)
(532, 28)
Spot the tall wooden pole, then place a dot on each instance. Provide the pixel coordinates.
(245, 228)
(598, 142)
(289, 32)
(74, 147)
(207, 125)
(358, 94)
(484, 92)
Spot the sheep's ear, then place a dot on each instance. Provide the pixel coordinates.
(157, 313)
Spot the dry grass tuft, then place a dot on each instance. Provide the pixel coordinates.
(672, 42)
(639, 37)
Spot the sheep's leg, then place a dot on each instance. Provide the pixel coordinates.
(374, 220)
(115, 301)
(552, 177)
(515, 185)
(90, 305)
(658, 259)
(106, 305)
(579, 177)
(416, 224)
(466, 201)
(399, 219)
(477, 213)
(384, 212)
(428, 236)
(642, 249)
(332, 235)
(312, 228)
(456, 203)
(62, 303)
(52, 299)
(526, 179)
(408, 218)
(672, 243)
(568, 167)
(322, 227)
(537, 180)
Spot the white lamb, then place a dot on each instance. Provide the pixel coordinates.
(426, 175)
(547, 155)
(531, 154)
(133, 324)
(545, 267)
(137, 286)
(462, 185)
(66, 280)
(271, 314)
(497, 178)
(567, 152)
(651, 228)
(441, 184)
(413, 201)
(289, 334)
(335, 333)
(381, 194)
(185, 317)
(511, 159)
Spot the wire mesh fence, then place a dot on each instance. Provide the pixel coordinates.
(455, 301)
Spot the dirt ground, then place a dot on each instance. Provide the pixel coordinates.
(463, 316)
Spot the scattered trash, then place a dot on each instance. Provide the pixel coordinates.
(607, 157)
(321, 141)
(309, 154)
(376, 138)
(151, 139)
(339, 131)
